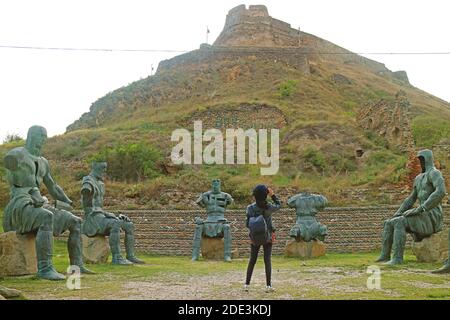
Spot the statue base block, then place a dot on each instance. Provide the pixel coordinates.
(95, 250)
(312, 249)
(17, 254)
(433, 248)
(213, 249)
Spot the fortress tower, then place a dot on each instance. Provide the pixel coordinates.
(254, 27)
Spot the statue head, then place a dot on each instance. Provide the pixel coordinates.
(426, 160)
(99, 169)
(36, 138)
(216, 186)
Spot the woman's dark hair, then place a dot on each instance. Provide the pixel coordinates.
(260, 193)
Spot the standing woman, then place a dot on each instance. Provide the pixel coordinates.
(264, 208)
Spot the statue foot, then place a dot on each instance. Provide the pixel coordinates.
(85, 270)
(394, 262)
(383, 259)
(120, 261)
(50, 274)
(135, 260)
(227, 259)
(444, 269)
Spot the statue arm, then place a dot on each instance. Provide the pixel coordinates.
(230, 199)
(407, 203)
(292, 202)
(55, 191)
(87, 198)
(438, 194)
(11, 162)
(200, 200)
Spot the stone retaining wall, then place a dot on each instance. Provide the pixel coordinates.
(350, 229)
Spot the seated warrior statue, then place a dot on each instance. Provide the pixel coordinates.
(307, 228)
(215, 225)
(99, 222)
(420, 222)
(29, 212)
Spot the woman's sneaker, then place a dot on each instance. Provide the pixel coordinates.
(269, 289)
(246, 287)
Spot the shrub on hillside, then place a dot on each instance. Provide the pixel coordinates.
(287, 88)
(429, 130)
(130, 162)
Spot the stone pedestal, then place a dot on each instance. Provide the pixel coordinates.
(17, 254)
(312, 249)
(433, 248)
(213, 249)
(95, 249)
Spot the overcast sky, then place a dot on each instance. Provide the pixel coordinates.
(53, 88)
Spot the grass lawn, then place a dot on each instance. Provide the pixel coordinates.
(334, 276)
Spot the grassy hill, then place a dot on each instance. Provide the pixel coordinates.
(316, 112)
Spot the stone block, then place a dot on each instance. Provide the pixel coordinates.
(433, 248)
(17, 254)
(311, 249)
(8, 293)
(95, 250)
(213, 249)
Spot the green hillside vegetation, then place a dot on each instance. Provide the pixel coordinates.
(131, 129)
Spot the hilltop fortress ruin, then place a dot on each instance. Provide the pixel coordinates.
(253, 32)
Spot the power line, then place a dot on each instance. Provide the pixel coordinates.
(90, 49)
(184, 51)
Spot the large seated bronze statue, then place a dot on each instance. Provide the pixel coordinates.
(29, 212)
(99, 222)
(215, 225)
(420, 222)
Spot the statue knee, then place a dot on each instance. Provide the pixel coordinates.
(116, 226)
(399, 222)
(128, 227)
(75, 223)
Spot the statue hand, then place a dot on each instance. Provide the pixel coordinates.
(109, 215)
(124, 218)
(412, 212)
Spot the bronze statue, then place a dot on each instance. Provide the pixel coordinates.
(420, 222)
(215, 225)
(29, 212)
(307, 227)
(99, 222)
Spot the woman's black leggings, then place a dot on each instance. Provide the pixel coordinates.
(267, 262)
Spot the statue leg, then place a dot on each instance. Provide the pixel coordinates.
(399, 240)
(197, 241)
(446, 267)
(44, 248)
(74, 245)
(387, 239)
(227, 242)
(114, 243)
(128, 227)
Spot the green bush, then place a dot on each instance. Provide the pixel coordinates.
(130, 162)
(429, 130)
(287, 88)
(315, 158)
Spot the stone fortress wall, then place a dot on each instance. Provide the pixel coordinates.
(351, 229)
(253, 32)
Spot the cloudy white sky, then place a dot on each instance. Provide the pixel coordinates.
(53, 88)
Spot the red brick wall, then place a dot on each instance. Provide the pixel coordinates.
(350, 229)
